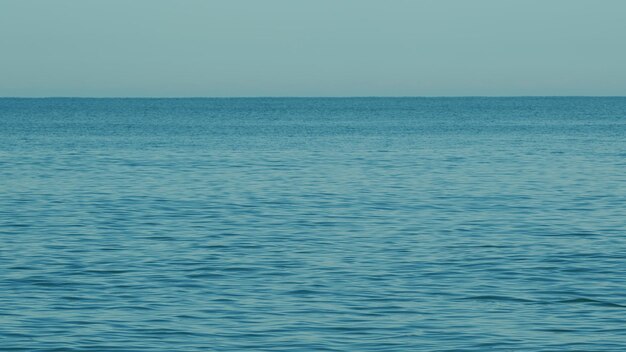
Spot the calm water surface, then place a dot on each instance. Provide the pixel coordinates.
(467, 224)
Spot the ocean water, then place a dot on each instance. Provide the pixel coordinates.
(364, 224)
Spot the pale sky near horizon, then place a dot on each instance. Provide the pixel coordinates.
(176, 48)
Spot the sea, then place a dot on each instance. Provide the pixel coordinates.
(313, 224)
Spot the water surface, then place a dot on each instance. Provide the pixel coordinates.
(366, 224)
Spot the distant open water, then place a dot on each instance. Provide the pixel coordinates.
(369, 224)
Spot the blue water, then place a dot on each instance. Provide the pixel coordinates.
(369, 224)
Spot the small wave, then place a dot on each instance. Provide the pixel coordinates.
(497, 298)
(584, 300)
(303, 292)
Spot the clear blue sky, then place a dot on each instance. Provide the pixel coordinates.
(312, 47)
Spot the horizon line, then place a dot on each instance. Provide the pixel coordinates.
(315, 97)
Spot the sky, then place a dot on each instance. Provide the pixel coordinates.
(217, 48)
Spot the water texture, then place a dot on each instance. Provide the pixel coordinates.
(365, 224)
